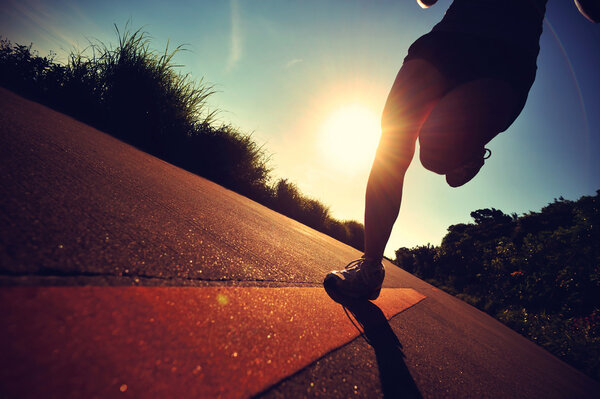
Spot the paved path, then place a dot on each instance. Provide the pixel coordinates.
(97, 239)
(170, 341)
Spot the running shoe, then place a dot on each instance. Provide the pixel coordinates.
(469, 170)
(360, 279)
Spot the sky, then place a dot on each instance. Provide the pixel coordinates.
(308, 79)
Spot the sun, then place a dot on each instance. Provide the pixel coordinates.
(349, 137)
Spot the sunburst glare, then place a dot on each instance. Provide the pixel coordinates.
(349, 137)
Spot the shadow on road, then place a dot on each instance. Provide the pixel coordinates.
(396, 381)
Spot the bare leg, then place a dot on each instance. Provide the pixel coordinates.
(418, 87)
(464, 120)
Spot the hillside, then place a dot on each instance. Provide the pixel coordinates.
(539, 273)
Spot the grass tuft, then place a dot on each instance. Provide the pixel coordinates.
(138, 95)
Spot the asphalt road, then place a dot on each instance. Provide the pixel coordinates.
(79, 208)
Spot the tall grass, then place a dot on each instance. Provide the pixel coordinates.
(136, 93)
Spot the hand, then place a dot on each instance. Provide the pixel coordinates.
(589, 9)
(429, 3)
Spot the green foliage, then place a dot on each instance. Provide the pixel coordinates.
(136, 94)
(538, 273)
(288, 200)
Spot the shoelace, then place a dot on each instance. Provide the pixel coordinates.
(360, 332)
(354, 264)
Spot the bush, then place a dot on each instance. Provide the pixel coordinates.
(538, 273)
(135, 94)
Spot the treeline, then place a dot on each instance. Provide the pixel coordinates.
(134, 93)
(539, 273)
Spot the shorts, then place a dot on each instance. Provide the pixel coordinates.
(461, 58)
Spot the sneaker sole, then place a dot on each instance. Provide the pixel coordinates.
(339, 297)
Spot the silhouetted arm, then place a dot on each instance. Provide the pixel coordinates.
(589, 9)
(426, 3)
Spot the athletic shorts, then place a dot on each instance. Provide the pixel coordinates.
(462, 58)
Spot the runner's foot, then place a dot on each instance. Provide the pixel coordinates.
(361, 279)
(468, 171)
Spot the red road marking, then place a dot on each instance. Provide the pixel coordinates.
(226, 342)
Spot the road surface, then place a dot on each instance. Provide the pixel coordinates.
(121, 274)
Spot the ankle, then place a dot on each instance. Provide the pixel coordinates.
(371, 261)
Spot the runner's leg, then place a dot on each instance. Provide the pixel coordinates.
(416, 90)
(463, 121)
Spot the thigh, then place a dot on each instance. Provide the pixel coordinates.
(417, 88)
(464, 120)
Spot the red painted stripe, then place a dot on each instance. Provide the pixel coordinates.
(226, 342)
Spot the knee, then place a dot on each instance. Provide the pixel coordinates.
(435, 155)
(442, 150)
(391, 120)
(395, 151)
(433, 162)
(392, 160)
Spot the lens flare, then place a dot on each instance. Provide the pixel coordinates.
(349, 137)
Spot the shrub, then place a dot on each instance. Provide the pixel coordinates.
(538, 273)
(134, 93)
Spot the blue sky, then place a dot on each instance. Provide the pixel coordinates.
(283, 68)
